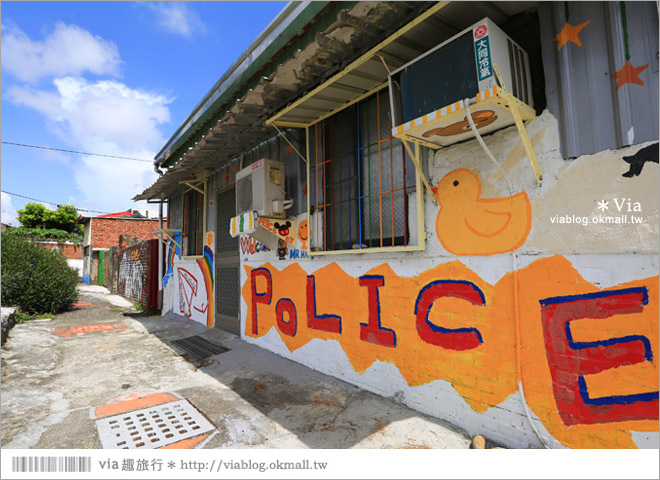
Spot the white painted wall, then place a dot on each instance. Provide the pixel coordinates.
(76, 264)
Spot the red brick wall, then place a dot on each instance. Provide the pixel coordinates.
(138, 274)
(69, 250)
(106, 231)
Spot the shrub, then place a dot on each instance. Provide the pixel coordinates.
(47, 234)
(34, 278)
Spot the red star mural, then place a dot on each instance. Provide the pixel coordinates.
(629, 74)
(570, 33)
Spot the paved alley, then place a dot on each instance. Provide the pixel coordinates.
(105, 376)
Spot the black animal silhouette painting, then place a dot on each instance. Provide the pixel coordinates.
(637, 161)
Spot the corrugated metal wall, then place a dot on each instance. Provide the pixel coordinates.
(581, 91)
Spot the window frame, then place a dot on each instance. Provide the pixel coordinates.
(419, 191)
(200, 227)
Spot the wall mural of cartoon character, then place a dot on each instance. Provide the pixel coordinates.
(283, 228)
(303, 234)
(468, 224)
(282, 249)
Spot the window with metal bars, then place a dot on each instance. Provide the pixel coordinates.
(193, 222)
(362, 181)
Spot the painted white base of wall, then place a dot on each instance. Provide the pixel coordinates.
(646, 439)
(76, 264)
(168, 292)
(505, 424)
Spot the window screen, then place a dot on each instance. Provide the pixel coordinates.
(361, 179)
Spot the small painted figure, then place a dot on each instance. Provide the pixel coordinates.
(281, 249)
(283, 229)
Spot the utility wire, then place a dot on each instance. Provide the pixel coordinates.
(80, 153)
(44, 201)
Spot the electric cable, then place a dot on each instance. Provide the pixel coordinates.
(79, 153)
(52, 203)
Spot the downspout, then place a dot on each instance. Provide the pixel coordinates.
(160, 256)
(514, 263)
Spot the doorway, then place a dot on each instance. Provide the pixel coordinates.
(227, 266)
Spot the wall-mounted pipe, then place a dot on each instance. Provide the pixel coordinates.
(514, 262)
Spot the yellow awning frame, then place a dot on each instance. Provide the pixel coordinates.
(166, 232)
(373, 52)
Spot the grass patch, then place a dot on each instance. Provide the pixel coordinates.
(22, 317)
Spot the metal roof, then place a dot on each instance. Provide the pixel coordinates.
(285, 26)
(390, 33)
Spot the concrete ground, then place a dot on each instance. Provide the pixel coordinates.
(102, 358)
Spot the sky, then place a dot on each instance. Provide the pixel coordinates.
(112, 78)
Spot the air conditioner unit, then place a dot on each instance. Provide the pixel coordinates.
(427, 93)
(260, 188)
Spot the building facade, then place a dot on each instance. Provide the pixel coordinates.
(103, 232)
(489, 261)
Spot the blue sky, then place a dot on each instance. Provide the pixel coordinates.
(116, 78)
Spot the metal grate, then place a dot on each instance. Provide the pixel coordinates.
(244, 201)
(198, 347)
(153, 427)
(226, 209)
(227, 295)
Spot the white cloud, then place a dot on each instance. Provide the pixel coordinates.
(56, 157)
(68, 50)
(105, 117)
(8, 211)
(177, 18)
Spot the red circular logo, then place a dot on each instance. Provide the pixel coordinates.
(480, 31)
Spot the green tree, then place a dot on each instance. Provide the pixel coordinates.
(32, 216)
(64, 218)
(35, 215)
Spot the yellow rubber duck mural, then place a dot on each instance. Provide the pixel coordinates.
(470, 225)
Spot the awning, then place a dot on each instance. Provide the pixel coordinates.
(369, 73)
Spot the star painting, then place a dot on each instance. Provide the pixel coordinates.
(629, 74)
(570, 33)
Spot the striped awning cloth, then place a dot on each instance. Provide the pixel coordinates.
(245, 223)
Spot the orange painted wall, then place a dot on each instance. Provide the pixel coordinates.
(484, 375)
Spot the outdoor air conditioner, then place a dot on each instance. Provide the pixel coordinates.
(434, 85)
(260, 188)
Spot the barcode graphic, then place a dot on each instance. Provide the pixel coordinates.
(51, 464)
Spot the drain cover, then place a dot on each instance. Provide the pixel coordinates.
(153, 427)
(198, 347)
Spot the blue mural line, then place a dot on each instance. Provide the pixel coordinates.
(614, 399)
(601, 294)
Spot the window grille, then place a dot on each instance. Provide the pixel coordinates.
(193, 221)
(362, 181)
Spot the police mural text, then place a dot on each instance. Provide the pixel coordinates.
(589, 356)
